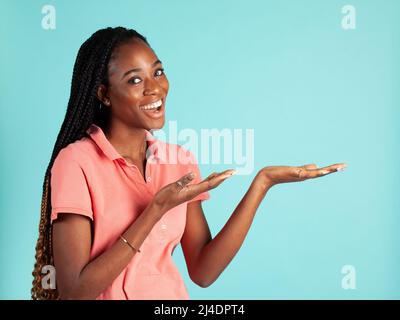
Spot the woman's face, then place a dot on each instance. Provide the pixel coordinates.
(137, 84)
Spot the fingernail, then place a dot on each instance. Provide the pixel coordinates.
(340, 169)
(233, 172)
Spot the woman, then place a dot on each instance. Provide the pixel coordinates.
(114, 205)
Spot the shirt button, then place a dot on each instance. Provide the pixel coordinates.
(148, 179)
(162, 234)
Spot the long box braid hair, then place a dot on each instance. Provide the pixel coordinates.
(84, 108)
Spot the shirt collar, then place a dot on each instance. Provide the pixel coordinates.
(98, 136)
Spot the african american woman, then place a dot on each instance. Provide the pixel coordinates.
(114, 204)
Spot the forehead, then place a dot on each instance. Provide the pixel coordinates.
(133, 54)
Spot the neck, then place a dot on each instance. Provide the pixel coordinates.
(129, 142)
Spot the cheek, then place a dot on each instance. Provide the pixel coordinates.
(133, 96)
(127, 94)
(165, 85)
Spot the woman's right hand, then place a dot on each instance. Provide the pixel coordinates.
(180, 191)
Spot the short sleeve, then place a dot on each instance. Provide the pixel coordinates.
(69, 187)
(194, 167)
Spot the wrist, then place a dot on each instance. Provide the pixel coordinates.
(156, 210)
(263, 181)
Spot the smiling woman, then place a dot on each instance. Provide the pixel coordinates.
(102, 199)
(110, 218)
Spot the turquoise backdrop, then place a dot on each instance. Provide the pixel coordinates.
(311, 90)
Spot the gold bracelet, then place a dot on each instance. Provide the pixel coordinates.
(132, 247)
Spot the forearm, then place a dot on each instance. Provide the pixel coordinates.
(217, 254)
(97, 275)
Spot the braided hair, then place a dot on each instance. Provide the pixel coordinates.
(84, 108)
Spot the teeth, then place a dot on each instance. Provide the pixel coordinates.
(152, 105)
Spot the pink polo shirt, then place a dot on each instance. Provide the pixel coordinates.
(89, 177)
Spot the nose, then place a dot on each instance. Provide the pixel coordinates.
(151, 87)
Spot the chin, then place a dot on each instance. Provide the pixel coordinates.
(157, 125)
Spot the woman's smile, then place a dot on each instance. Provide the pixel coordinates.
(152, 105)
(154, 110)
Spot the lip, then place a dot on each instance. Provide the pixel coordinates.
(155, 114)
(144, 104)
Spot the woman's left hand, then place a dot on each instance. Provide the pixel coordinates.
(273, 175)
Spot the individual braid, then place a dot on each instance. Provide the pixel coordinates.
(90, 70)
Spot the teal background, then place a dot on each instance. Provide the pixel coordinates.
(311, 91)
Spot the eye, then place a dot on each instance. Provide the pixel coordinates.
(162, 71)
(132, 80)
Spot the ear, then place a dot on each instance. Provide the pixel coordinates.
(102, 95)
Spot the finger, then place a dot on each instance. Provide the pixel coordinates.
(310, 166)
(219, 178)
(212, 175)
(183, 181)
(216, 178)
(228, 173)
(315, 173)
(334, 167)
(223, 174)
(304, 174)
(210, 182)
(299, 173)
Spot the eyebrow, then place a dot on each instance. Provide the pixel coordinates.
(139, 69)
